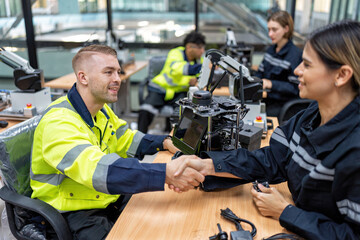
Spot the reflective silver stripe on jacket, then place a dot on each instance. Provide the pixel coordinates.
(279, 136)
(53, 179)
(99, 178)
(135, 144)
(277, 62)
(322, 173)
(169, 80)
(63, 104)
(303, 158)
(186, 69)
(350, 209)
(67, 161)
(71, 156)
(121, 130)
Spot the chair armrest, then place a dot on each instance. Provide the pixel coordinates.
(55, 218)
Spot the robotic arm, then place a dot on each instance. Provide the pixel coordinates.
(25, 77)
(216, 123)
(241, 85)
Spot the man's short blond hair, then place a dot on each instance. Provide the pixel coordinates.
(89, 50)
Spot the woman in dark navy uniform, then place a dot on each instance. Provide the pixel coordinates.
(280, 60)
(317, 151)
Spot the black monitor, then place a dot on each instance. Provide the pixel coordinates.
(189, 132)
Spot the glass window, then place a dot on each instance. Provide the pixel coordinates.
(348, 9)
(149, 25)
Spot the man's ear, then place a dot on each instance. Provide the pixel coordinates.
(82, 77)
(345, 73)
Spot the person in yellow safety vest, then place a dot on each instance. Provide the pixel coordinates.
(181, 69)
(84, 156)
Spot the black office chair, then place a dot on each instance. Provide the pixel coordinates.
(156, 64)
(291, 108)
(23, 211)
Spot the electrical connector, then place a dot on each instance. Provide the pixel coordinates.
(220, 236)
(240, 235)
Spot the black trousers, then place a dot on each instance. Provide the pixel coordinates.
(95, 224)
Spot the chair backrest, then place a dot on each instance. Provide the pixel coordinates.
(15, 155)
(156, 64)
(291, 108)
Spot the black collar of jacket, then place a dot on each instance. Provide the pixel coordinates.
(326, 137)
(78, 103)
(283, 50)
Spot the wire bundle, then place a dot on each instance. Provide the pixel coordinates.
(228, 214)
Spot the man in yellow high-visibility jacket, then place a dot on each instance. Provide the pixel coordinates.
(180, 70)
(84, 156)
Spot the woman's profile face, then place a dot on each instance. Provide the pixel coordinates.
(276, 32)
(317, 82)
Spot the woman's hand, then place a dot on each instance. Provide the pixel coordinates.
(267, 84)
(269, 201)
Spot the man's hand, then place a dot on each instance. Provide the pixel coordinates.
(269, 201)
(168, 145)
(204, 166)
(193, 81)
(184, 181)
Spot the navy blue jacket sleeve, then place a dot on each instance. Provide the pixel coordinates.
(129, 176)
(194, 69)
(150, 144)
(313, 225)
(281, 88)
(249, 166)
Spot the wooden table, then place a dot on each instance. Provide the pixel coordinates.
(11, 123)
(193, 214)
(122, 106)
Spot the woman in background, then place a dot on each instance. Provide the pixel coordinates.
(277, 68)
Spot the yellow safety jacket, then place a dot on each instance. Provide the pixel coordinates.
(78, 161)
(174, 76)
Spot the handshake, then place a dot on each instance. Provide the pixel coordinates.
(187, 172)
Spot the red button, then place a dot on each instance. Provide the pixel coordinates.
(258, 118)
(29, 105)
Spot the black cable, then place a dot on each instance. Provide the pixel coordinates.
(228, 214)
(283, 236)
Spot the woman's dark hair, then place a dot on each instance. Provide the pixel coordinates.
(338, 44)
